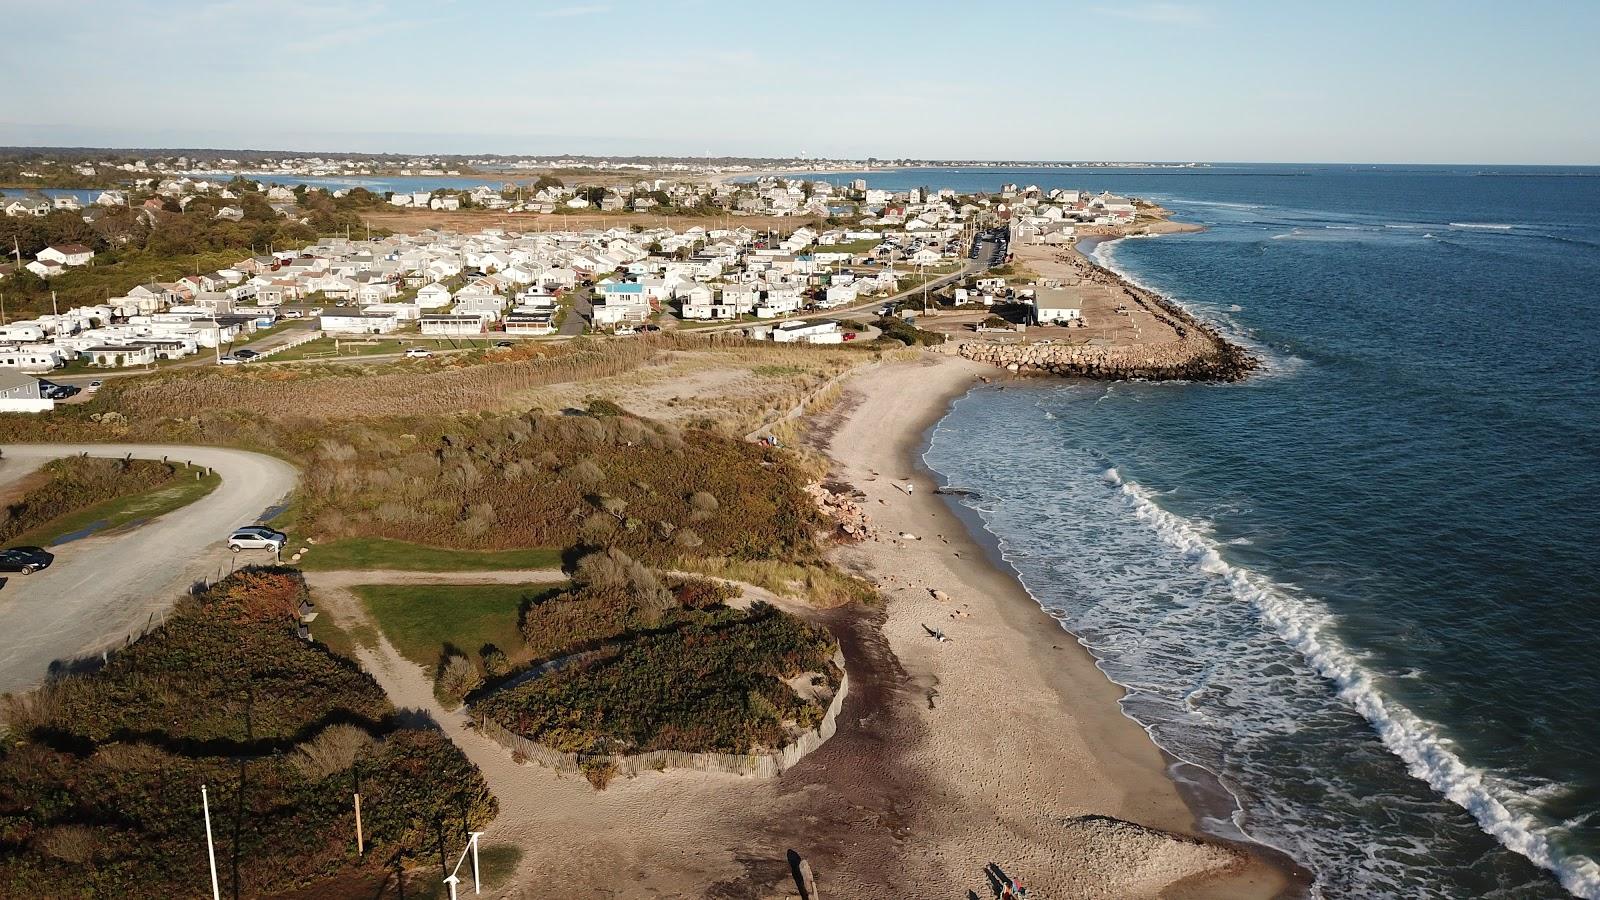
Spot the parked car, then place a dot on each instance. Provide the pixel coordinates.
(502, 344)
(93, 386)
(26, 560)
(625, 331)
(418, 353)
(257, 537)
(229, 360)
(292, 314)
(649, 328)
(245, 354)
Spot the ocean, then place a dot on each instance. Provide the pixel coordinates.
(1362, 587)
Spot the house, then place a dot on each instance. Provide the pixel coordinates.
(20, 393)
(32, 357)
(32, 205)
(67, 254)
(359, 323)
(45, 268)
(445, 324)
(1056, 306)
(119, 355)
(530, 324)
(111, 198)
(433, 296)
(807, 332)
(230, 213)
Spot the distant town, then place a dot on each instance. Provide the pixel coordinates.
(806, 252)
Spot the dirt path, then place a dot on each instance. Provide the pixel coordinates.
(668, 834)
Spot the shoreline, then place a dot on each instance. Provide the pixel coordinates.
(1004, 647)
(1183, 347)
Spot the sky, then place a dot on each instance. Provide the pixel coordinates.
(1398, 81)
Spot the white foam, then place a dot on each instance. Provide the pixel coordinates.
(1492, 226)
(1304, 625)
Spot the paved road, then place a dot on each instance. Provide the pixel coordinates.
(579, 315)
(99, 590)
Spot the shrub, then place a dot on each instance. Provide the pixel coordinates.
(704, 682)
(335, 749)
(100, 777)
(77, 483)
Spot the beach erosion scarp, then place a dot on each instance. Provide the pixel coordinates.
(1006, 741)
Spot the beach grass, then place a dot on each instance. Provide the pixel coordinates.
(383, 553)
(120, 512)
(427, 622)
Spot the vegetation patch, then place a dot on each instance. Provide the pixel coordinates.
(403, 556)
(100, 772)
(107, 493)
(429, 623)
(713, 680)
(547, 480)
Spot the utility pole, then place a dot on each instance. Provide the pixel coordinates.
(211, 850)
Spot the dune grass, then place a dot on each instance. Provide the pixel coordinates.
(382, 553)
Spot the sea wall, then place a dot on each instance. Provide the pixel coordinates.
(766, 764)
(1192, 358)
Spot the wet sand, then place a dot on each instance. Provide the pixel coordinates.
(1017, 743)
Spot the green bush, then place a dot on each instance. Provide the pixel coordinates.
(708, 682)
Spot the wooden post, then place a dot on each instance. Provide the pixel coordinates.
(361, 847)
(808, 882)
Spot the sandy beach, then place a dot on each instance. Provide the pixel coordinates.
(1003, 746)
(1020, 743)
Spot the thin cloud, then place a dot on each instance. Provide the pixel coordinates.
(1158, 14)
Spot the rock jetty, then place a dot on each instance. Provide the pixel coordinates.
(1196, 352)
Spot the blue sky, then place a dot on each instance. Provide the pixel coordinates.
(1468, 82)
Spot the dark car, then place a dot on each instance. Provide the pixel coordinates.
(26, 560)
(246, 354)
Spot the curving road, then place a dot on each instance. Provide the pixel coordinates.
(100, 590)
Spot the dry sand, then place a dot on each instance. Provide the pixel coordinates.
(1004, 746)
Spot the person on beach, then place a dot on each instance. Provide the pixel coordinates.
(910, 487)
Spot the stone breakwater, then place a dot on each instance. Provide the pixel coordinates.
(1195, 353)
(1192, 358)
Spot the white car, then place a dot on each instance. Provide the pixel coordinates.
(257, 537)
(625, 330)
(418, 353)
(230, 361)
(93, 386)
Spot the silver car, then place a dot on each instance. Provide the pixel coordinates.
(257, 537)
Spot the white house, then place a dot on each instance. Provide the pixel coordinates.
(434, 296)
(1055, 306)
(452, 325)
(365, 322)
(67, 254)
(807, 332)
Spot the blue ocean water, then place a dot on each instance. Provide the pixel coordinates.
(1362, 587)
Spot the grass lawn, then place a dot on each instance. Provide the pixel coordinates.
(380, 553)
(123, 511)
(422, 620)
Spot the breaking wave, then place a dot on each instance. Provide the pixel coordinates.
(1308, 628)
